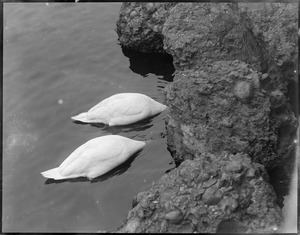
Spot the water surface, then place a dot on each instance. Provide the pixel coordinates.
(60, 59)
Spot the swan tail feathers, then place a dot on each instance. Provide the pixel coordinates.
(163, 107)
(53, 174)
(82, 117)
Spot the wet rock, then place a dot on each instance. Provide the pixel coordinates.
(248, 201)
(140, 24)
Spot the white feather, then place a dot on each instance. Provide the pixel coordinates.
(122, 109)
(95, 157)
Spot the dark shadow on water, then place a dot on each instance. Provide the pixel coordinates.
(145, 63)
(114, 172)
(172, 163)
(137, 126)
(98, 125)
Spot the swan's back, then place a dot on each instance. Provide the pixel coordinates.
(96, 157)
(122, 109)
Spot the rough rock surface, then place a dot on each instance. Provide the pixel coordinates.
(229, 94)
(207, 195)
(277, 23)
(222, 107)
(263, 35)
(140, 24)
(196, 34)
(255, 33)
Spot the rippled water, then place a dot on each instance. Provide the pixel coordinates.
(60, 60)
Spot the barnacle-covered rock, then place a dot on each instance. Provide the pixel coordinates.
(140, 24)
(205, 204)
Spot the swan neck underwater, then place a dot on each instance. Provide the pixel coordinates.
(121, 109)
(96, 157)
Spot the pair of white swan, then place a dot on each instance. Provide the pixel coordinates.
(100, 155)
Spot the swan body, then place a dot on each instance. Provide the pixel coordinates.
(121, 109)
(95, 157)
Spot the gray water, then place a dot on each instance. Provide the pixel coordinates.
(60, 59)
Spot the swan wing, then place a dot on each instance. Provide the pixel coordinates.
(121, 107)
(96, 157)
(99, 159)
(77, 153)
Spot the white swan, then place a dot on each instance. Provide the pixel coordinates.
(95, 157)
(121, 109)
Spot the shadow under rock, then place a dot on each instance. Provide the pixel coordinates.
(145, 63)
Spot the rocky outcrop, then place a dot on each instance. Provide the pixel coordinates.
(213, 193)
(223, 107)
(278, 25)
(140, 25)
(229, 114)
(198, 34)
(201, 33)
(212, 105)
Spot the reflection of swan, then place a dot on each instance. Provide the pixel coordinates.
(122, 109)
(96, 157)
(114, 130)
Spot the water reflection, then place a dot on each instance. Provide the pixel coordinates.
(114, 130)
(161, 84)
(114, 172)
(45, 96)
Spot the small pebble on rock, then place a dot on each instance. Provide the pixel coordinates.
(133, 14)
(234, 166)
(243, 91)
(174, 217)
